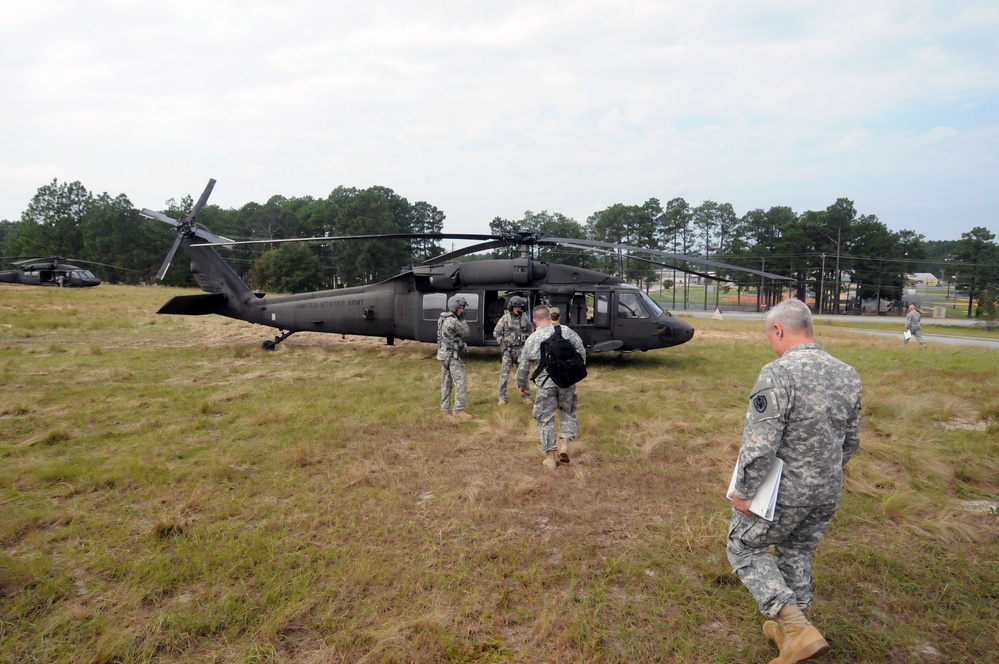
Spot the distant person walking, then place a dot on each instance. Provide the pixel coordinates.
(912, 327)
(805, 410)
(451, 331)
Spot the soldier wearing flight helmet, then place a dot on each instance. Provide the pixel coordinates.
(451, 330)
(512, 331)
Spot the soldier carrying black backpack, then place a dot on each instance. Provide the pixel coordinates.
(561, 359)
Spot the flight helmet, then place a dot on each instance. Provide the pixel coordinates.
(456, 301)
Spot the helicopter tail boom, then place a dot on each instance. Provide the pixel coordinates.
(195, 305)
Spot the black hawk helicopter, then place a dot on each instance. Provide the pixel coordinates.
(607, 313)
(51, 271)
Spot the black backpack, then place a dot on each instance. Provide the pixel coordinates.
(559, 358)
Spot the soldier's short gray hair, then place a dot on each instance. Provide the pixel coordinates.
(793, 315)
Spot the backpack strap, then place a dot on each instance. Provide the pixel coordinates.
(544, 355)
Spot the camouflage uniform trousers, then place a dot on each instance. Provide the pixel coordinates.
(917, 334)
(784, 577)
(453, 378)
(549, 401)
(510, 357)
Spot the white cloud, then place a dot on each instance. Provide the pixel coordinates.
(487, 109)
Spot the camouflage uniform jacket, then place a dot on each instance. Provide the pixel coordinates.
(805, 409)
(532, 353)
(450, 330)
(512, 331)
(912, 321)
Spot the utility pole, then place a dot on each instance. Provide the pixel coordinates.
(839, 284)
(822, 285)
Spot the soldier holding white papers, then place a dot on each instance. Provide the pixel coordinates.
(804, 409)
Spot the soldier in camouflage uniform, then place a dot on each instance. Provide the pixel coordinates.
(512, 331)
(550, 398)
(805, 409)
(450, 332)
(913, 326)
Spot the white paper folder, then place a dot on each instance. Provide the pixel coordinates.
(765, 500)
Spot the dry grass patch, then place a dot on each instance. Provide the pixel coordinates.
(199, 499)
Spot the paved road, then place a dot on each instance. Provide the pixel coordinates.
(927, 321)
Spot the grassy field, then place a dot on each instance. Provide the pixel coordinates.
(171, 493)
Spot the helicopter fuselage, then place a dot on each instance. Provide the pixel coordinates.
(607, 313)
(50, 275)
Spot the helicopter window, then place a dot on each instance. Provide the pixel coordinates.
(579, 308)
(652, 305)
(472, 308)
(602, 315)
(629, 305)
(588, 308)
(435, 303)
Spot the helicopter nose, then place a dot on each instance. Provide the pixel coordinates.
(674, 331)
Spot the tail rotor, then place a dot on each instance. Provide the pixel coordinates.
(185, 229)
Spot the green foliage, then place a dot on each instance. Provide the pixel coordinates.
(988, 310)
(292, 268)
(974, 264)
(816, 248)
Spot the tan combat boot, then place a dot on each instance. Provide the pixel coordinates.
(563, 450)
(551, 460)
(800, 640)
(773, 631)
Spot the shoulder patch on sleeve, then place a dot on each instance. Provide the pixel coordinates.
(763, 402)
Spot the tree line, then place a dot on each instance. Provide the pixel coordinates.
(816, 249)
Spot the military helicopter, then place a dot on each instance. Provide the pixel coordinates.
(607, 313)
(51, 271)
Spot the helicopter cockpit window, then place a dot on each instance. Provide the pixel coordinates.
(629, 305)
(653, 306)
(435, 303)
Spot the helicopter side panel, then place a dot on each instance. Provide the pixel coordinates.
(364, 311)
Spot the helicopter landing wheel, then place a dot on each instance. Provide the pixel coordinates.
(272, 345)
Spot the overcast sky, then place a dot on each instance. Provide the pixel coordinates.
(489, 109)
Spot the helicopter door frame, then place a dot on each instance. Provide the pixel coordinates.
(590, 308)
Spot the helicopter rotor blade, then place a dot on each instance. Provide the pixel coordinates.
(169, 258)
(378, 236)
(201, 201)
(697, 260)
(213, 239)
(158, 216)
(632, 257)
(475, 248)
